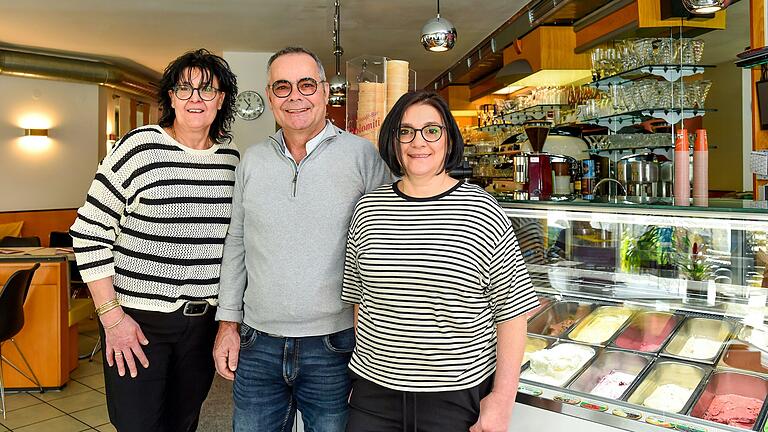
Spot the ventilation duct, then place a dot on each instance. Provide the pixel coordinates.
(26, 62)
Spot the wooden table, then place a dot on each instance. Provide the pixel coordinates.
(46, 339)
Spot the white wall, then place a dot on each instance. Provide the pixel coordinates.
(251, 71)
(51, 173)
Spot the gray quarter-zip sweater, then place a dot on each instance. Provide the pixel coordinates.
(284, 251)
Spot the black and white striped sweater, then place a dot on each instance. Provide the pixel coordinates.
(155, 219)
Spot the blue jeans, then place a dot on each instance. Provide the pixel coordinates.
(277, 375)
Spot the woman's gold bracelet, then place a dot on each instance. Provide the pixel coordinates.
(106, 307)
(111, 326)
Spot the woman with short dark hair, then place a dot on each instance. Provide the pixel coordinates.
(149, 242)
(439, 286)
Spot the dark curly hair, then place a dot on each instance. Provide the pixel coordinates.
(211, 65)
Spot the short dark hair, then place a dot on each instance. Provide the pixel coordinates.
(210, 65)
(298, 50)
(389, 146)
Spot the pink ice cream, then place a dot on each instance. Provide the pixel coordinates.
(734, 410)
(647, 333)
(613, 385)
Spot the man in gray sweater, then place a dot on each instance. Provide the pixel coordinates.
(284, 257)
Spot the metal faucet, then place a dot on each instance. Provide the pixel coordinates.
(594, 189)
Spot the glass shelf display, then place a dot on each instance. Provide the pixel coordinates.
(669, 115)
(669, 72)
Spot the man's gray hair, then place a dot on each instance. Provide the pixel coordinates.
(298, 50)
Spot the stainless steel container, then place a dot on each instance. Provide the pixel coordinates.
(558, 318)
(563, 362)
(601, 325)
(666, 179)
(726, 384)
(534, 344)
(740, 355)
(521, 168)
(699, 339)
(647, 332)
(611, 361)
(686, 379)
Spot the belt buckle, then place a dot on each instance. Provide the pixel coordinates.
(195, 308)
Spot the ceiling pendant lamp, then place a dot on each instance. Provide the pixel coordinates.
(337, 83)
(705, 6)
(438, 34)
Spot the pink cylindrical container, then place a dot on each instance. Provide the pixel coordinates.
(682, 169)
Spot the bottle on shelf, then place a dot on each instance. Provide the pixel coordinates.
(682, 187)
(701, 169)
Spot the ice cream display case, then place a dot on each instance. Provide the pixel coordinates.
(652, 316)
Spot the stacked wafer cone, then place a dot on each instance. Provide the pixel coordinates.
(397, 81)
(371, 103)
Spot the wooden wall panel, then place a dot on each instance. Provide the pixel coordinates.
(41, 223)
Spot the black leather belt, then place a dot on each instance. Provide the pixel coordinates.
(195, 308)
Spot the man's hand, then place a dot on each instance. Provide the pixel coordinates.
(495, 412)
(226, 349)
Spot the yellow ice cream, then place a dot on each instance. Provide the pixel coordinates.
(601, 325)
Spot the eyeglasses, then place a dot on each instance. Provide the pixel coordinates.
(284, 88)
(430, 133)
(184, 92)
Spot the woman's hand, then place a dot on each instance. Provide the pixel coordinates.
(123, 342)
(495, 412)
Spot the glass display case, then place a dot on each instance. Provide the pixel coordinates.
(652, 315)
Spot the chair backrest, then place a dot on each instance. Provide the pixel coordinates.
(12, 297)
(60, 239)
(20, 242)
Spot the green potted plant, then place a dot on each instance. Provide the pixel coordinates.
(650, 252)
(694, 267)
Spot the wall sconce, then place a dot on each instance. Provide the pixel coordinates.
(36, 132)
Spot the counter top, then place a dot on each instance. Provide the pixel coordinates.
(14, 254)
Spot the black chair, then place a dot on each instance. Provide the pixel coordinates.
(20, 241)
(12, 298)
(64, 240)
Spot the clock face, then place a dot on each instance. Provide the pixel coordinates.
(249, 105)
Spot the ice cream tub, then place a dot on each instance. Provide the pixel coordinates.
(559, 364)
(756, 336)
(558, 318)
(601, 325)
(699, 339)
(744, 356)
(669, 386)
(732, 398)
(647, 332)
(544, 302)
(533, 344)
(611, 374)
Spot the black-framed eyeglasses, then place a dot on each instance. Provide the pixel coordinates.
(306, 86)
(184, 92)
(430, 133)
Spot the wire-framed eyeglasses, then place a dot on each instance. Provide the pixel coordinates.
(206, 93)
(305, 86)
(430, 133)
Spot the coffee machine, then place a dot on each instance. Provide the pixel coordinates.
(539, 163)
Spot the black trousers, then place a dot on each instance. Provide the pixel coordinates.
(167, 396)
(373, 408)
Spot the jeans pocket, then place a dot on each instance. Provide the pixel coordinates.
(342, 342)
(248, 336)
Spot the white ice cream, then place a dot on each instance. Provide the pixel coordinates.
(558, 364)
(668, 397)
(699, 347)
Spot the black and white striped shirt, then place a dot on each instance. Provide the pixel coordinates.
(432, 277)
(155, 219)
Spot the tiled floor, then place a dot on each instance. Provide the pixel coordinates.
(80, 406)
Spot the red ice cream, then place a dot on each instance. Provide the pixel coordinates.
(734, 410)
(647, 333)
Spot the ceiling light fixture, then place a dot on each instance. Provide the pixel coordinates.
(438, 34)
(702, 7)
(337, 83)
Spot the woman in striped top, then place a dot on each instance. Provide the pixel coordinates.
(439, 287)
(149, 242)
